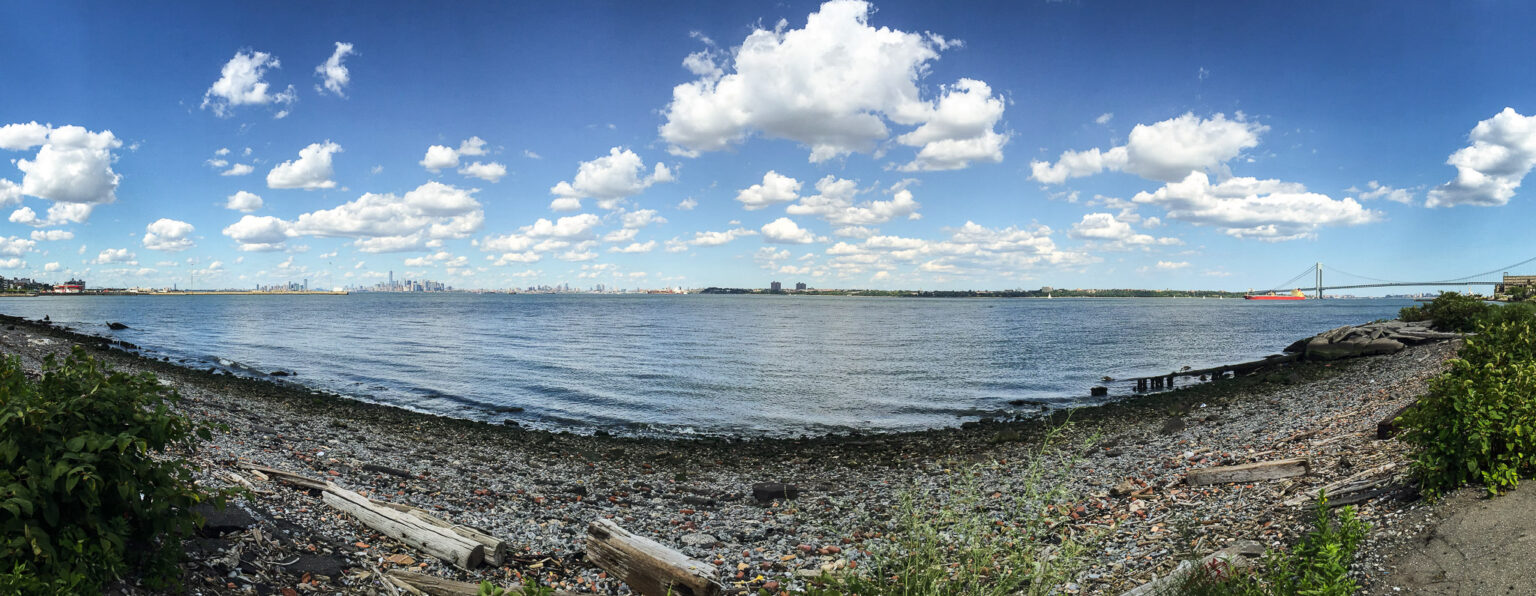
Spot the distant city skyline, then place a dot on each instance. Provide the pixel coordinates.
(884, 145)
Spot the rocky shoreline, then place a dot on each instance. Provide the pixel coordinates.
(539, 490)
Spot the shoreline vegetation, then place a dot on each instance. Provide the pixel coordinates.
(1098, 500)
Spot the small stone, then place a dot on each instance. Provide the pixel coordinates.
(698, 539)
(1125, 487)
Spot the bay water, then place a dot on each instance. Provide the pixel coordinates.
(736, 365)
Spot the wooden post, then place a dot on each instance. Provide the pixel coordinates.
(648, 567)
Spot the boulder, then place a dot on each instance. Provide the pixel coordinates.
(1173, 425)
(116, 326)
(1332, 351)
(1382, 346)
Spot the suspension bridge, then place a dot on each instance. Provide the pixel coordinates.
(1356, 281)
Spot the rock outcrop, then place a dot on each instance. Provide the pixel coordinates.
(1385, 337)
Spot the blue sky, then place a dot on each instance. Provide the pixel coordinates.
(846, 144)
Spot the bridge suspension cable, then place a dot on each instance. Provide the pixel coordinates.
(1290, 282)
(1364, 277)
(1499, 270)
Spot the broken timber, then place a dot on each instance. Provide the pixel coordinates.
(648, 567)
(429, 538)
(288, 477)
(1269, 470)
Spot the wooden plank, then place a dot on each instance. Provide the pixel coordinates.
(649, 568)
(427, 538)
(1308, 497)
(1269, 470)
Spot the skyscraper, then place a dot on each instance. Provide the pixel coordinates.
(775, 287)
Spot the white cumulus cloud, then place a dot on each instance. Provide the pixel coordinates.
(491, 172)
(260, 233)
(52, 235)
(834, 202)
(1269, 210)
(242, 82)
(1488, 171)
(168, 235)
(310, 171)
(832, 86)
(785, 231)
(1165, 151)
(618, 175)
(72, 164)
(243, 201)
(333, 74)
(115, 256)
(775, 188)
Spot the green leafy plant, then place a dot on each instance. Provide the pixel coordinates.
(1318, 565)
(1449, 312)
(1478, 421)
(954, 544)
(531, 587)
(83, 499)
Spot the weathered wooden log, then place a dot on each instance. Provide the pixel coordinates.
(430, 539)
(1388, 426)
(1381, 474)
(1269, 470)
(288, 477)
(1168, 584)
(648, 567)
(437, 586)
(496, 550)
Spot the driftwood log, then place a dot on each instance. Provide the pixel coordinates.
(428, 538)
(495, 550)
(1269, 470)
(648, 567)
(288, 477)
(1231, 555)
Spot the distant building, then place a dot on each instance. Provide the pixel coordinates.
(800, 287)
(73, 286)
(775, 287)
(1511, 281)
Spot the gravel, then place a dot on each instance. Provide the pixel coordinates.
(539, 490)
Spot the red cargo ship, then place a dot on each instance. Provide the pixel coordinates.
(1294, 295)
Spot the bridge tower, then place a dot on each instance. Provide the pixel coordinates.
(1319, 281)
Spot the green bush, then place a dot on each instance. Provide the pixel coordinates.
(1317, 566)
(1478, 421)
(1449, 312)
(83, 499)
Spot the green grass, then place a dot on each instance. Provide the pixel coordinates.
(952, 543)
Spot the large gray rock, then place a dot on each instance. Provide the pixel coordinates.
(1382, 346)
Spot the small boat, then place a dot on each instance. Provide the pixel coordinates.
(1294, 295)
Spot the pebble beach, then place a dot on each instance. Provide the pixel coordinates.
(1122, 467)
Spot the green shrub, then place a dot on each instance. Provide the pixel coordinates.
(83, 500)
(1317, 566)
(1478, 421)
(1449, 312)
